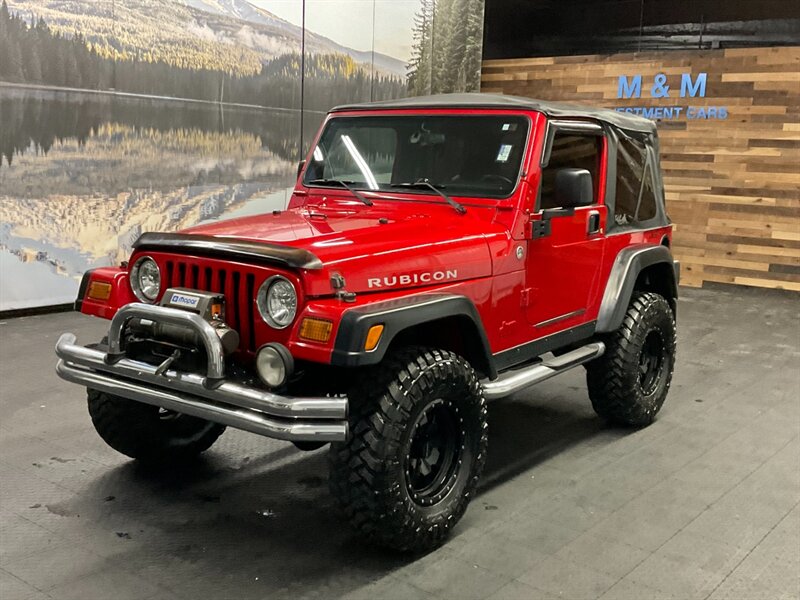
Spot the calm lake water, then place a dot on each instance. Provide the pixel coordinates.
(83, 175)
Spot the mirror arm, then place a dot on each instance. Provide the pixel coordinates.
(541, 227)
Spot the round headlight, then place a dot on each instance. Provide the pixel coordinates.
(277, 302)
(146, 279)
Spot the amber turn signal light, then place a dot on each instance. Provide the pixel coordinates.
(373, 337)
(216, 311)
(99, 290)
(316, 330)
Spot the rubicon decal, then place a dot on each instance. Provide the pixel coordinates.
(412, 278)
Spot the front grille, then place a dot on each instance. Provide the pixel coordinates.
(238, 286)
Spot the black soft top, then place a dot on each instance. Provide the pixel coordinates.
(557, 110)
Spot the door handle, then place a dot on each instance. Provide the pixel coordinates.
(593, 222)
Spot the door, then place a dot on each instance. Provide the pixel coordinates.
(566, 246)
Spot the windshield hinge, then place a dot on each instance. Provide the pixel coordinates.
(540, 229)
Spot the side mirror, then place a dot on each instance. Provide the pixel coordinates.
(300, 166)
(573, 188)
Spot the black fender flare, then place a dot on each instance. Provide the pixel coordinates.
(626, 268)
(84, 286)
(396, 316)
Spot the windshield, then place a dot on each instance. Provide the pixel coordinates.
(476, 156)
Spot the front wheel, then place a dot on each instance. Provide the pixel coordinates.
(629, 383)
(149, 433)
(416, 452)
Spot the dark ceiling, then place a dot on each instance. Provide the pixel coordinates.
(521, 28)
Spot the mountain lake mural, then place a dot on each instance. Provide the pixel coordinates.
(124, 116)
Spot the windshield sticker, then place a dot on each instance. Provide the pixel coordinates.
(505, 152)
(509, 127)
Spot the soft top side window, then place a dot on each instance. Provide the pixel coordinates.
(635, 199)
(647, 200)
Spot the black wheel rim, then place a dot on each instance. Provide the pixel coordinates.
(434, 451)
(651, 362)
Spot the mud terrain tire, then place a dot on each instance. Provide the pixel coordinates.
(629, 383)
(416, 451)
(148, 433)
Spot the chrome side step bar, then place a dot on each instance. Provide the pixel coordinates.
(514, 380)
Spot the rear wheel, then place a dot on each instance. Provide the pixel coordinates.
(629, 383)
(149, 433)
(416, 451)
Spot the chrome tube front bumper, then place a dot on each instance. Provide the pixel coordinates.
(209, 396)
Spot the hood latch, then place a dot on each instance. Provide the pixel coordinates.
(338, 284)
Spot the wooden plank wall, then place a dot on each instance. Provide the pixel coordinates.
(733, 185)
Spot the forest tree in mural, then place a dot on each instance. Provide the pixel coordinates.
(448, 36)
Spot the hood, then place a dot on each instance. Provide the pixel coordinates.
(389, 245)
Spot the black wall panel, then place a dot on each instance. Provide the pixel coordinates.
(528, 28)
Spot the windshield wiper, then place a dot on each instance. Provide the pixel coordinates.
(345, 184)
(422, 184)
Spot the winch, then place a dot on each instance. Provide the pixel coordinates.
(210, 306)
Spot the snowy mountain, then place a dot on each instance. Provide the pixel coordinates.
(245, 11)
(242, 10)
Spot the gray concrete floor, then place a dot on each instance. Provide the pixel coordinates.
(702, 504)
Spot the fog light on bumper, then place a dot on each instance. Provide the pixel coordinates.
(274, 364)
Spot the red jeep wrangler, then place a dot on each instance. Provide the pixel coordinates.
(436, 253)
